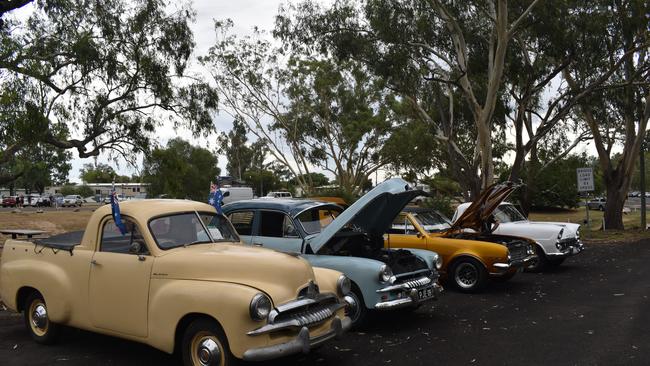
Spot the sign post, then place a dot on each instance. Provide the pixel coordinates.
(585, 184)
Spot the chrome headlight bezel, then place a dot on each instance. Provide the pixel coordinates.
(437, 261)
(260, 307)
(343, 285)
(386, 274)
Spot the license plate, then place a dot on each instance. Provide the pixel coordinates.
(426, 293)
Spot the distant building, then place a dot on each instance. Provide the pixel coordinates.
(101, 190)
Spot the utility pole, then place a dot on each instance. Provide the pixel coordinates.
(642, 183)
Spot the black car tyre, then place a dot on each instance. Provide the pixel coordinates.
(468, 275)
(205, 344)
(37, 321)
(556, 262)
(356, 308)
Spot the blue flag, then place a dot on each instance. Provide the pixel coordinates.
(215, 197)
(115, 207)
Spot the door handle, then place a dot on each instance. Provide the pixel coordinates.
(258, 244)
(94, 262)
(142, 258)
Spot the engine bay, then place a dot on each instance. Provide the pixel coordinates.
(359, 244)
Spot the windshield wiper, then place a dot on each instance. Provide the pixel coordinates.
(196, 242)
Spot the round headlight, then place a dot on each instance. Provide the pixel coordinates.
(385, 273)
(578, 234)
(260, 307)
(438, 262)
(343, 285)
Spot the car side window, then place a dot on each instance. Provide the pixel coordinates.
(288, 228)
(402, 225)
(242, 221)
(130, 243)
(271, 224)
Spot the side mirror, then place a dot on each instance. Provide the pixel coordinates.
(419, 235)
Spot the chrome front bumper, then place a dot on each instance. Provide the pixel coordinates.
(409, 291)
(514, 264)
(568, 250)
(302, 343)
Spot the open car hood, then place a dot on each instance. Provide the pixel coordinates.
(373, 213)
(481, 209)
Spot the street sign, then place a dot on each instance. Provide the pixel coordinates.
(585, 179)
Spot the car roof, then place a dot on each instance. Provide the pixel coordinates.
(292, 206)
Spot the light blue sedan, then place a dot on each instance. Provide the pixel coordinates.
(350, 241)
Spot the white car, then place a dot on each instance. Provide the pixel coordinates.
(279, 194)
(72, 200)
(556, 240)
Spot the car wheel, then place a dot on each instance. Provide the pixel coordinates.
(468, 275)
(356, 308)
(37, 321)
(205, 344)
(539, 263)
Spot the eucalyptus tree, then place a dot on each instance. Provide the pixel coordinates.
(309, 111)
(617, 113)
(98, 75)
(458, 48)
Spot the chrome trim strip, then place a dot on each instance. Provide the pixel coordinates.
(415, 283)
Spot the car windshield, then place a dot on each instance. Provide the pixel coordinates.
(432, 221)
(508, 213)
(316, 219)
(183, 229)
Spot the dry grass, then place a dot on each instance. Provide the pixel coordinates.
(54, 222)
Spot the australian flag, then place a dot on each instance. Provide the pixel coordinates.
(115, 207)
(215, 197)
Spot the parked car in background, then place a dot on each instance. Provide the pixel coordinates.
(349, 241)
(597, 203)
(72, 200)
(234, 194)
(179, 280)
(556, 241)
(32, 199)
(9, 201)
(281, 194)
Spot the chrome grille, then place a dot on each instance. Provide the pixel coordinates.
(422, 281)
(309, 316)
(518, 251)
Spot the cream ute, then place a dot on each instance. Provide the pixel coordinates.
(178, 280)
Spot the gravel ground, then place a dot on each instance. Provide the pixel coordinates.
(594, 310)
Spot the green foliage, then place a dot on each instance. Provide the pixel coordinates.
(68, 189)
(113, 71)
(102, 173)
(262, 181)
(40, 166)
(85, 191)
(441, 203)
(318, 179)
(238, 154)
(180, 170)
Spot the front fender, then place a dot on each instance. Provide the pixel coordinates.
(427, 255)
(363, 272)
(228, 303)
(327, 280)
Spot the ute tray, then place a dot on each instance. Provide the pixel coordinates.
(65, 241)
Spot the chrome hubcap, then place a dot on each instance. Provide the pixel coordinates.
(353, 306)
(209, 353)
(39, 317)
(466, 275)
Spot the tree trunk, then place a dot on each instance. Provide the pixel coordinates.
(614, 209)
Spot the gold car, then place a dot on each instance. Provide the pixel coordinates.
(471, 253)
